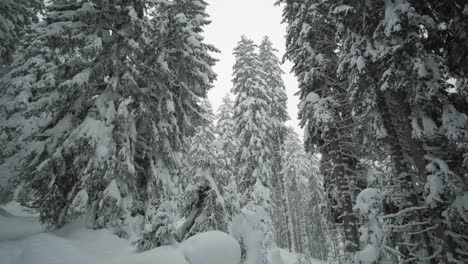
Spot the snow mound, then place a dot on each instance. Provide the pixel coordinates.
(213, 247)
(23, 241)
(79, 245)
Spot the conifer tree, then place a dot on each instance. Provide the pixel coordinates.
(271, 70)
(324, 111)
(113, 118)
(401, 83)
(178, 72)
(316, 230)
(225, 126)
(393, 95)
(253, 124)
(205, 208)
(226, 145)
(303, 194)
(82, 162)
(15, 17)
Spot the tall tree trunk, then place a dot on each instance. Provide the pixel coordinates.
(279, 202)
(401, 115)
(284, 214)
(395, 114)
(345, 199)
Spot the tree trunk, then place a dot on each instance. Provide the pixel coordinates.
(395, 114)
(292, 235)
(280, 210)
(345, 199)
(402, 116)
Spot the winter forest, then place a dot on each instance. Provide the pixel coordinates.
(111, 150)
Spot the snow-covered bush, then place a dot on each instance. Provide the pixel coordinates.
(161, 233)
(369, 207)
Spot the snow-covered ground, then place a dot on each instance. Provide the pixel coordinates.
(24, 241)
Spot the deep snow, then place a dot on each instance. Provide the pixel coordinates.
(24, 241)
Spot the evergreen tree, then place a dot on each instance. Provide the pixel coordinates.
(253, 126)
(15, 17)
(316, 232)
(205, 207)
(225, 127)
(83, 160)
(399, 81)
(226, 145)
(271, 68)
(275, 89)
(324, 110)
(393, 75)
(178, 72)
(113, 118)
(303, 194)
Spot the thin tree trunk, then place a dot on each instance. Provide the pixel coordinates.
(291, 238)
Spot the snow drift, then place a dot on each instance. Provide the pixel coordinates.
(23, 241)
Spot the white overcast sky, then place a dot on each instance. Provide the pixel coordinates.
(254, 18)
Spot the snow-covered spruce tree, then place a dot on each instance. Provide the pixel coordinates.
(104, 149)
(396, 74)
(453, 48)
(303, 195)
(448, 39)
(204, 205)
(253, 127)
(30, 94)
(271, 67)
(271, 70)
(224, 128)
(324, 109)
(177, 72)
(75, 79)
(15, 16)
(380, 120)
(226, 145)
(295, 168)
